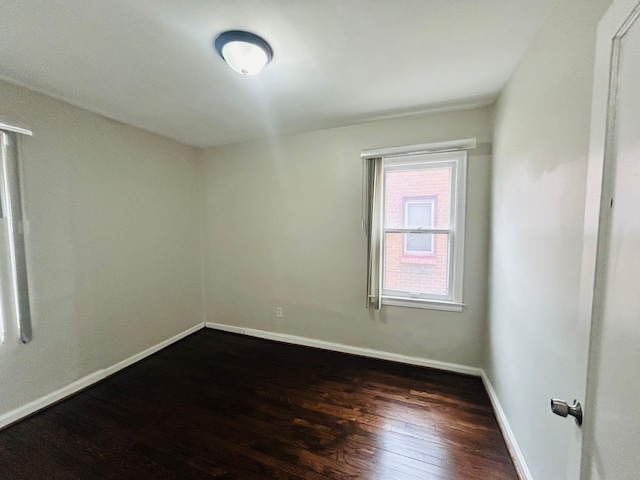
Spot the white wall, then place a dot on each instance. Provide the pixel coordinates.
(537, 347)
(113, 248)
(282, 227)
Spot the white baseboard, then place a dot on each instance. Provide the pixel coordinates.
(339, 347)
(507, 433)
(42, 402)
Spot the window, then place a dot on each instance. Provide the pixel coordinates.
(415, 218)
(418, 213)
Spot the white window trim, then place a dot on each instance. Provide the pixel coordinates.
(434, 147)
(452, 302)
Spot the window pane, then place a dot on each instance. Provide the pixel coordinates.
(420, 243)
(419, 213)
(417, 197)
(408, 273)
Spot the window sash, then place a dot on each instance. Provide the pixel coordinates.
(457, 162)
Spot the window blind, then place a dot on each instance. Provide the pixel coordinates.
(371, 203)
(11, 210)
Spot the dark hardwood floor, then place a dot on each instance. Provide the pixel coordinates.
(219, 405)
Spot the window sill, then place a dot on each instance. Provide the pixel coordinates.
(427, 304)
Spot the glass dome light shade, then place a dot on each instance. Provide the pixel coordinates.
(244, 58)
(244, 52)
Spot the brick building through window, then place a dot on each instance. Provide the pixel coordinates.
(417, 198)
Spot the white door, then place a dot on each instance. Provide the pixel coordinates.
(611, 446)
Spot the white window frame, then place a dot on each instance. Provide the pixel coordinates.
(372, 220)
(453, 300)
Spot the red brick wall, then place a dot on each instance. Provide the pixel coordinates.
(423, 273)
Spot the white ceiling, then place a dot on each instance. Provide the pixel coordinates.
(150, 63)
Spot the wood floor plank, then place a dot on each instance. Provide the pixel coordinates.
(225, 406)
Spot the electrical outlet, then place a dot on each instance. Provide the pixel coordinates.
(279, 312)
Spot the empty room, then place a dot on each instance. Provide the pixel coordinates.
(320, 239)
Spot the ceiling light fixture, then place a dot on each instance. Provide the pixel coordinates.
(244, 52)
